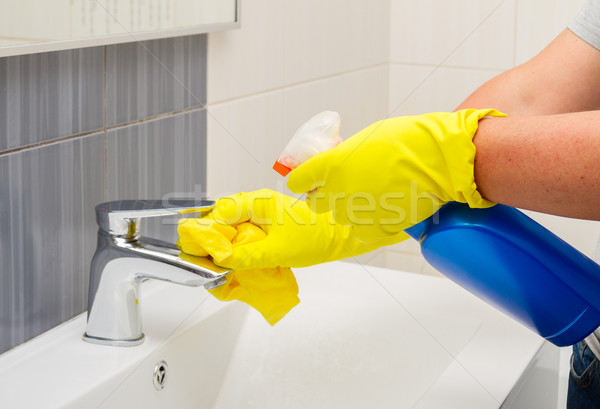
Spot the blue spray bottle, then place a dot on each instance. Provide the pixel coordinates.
(499, 254)
(512, 262)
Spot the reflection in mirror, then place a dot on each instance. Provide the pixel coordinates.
(27, 22)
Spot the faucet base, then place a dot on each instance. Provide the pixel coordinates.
(113, 342)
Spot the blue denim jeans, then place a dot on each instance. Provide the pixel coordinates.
(584, 382)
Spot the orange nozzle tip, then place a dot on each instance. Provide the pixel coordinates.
(281, 168)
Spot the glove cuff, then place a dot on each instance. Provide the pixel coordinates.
(465, 186)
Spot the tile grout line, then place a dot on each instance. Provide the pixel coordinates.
(515, 32)
(105, 134)
(452, 67)
(388, 58)
(157, 116)
(296, 84)
(386, 64)
(388, 97)
(50, 142)
(103, 129)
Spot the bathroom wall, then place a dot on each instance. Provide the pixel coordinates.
(77, 128)
(289, 61)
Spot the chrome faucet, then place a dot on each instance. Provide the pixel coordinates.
(124, 259)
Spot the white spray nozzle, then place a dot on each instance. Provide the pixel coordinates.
(320, 133)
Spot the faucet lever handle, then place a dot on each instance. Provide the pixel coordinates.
(122, 217)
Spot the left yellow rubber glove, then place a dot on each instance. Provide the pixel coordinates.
(271, 291)
(295, 236)
(395, 173)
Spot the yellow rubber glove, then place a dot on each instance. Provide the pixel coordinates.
(295, 236)
(395, 173)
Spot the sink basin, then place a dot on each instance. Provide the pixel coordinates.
(361, 337)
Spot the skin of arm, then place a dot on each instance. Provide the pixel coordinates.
(546, 155)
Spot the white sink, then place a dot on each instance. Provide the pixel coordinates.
(360, 338)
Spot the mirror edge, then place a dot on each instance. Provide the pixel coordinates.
(42, 47)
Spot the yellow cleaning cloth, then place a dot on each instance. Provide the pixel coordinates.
(271, 291)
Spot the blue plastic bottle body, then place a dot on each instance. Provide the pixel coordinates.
(512, 262)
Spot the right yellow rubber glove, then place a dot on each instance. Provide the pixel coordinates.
(395, 173)
(295, 236)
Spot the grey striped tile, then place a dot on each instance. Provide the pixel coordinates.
(47, 234)
(50, 95)
(154, 77)
(159, 159)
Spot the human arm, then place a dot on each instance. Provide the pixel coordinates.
(562, 78)
(365, 193)
(547, 163)
(546, 155)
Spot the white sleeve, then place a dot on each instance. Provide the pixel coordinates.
(586, 24)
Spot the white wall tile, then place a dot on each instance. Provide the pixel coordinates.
(328, 37)
(284, 43)
(250, 59)
(405, 256)
(244, 138)
(409, 245)
(385, 257)
(473, 33)
(581, 234)
(246, 135)
(378, 259)
(360, 97)
(539, 21)
(430, 271)
(418, 89)
(368, 259)
(412, 263)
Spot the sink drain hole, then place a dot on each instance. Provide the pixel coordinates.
(160, 375)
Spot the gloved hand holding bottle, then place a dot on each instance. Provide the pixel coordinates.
(362, 194)
(395, 173)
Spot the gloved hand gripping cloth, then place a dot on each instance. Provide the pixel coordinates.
(294, 236)
(271, 291)
(260, 235)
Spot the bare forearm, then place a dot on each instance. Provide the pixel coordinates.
(546, 155)
(545, 163)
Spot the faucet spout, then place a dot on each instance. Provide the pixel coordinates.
(124, 259)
